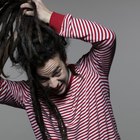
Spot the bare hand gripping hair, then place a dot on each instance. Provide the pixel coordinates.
(34, 43)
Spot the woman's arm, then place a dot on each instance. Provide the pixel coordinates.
(102, 39)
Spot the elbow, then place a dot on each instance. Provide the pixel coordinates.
(112, 38)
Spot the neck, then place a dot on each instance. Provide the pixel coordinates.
(69, 75)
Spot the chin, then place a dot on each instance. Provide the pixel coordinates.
(62, 92)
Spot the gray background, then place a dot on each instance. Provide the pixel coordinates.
(123, 16)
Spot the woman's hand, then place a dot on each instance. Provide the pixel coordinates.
(44, 13)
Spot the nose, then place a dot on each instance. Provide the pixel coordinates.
(53, 83)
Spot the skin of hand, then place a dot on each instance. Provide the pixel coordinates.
(44, 13)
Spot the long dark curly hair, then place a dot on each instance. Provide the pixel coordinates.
(30, 43)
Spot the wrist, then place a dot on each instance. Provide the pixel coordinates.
(47, 17)
(56, 21)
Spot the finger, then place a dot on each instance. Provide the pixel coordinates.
(26, 6)
(28, 12)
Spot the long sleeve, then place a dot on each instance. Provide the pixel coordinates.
(103, 40)
(12, 93)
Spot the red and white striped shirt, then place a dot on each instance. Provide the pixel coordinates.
(86, 109)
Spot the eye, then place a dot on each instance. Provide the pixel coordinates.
(57, 73)
(43, 81)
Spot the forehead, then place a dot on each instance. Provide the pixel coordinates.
(51, 65)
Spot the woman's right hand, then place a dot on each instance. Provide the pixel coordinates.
(44, 13)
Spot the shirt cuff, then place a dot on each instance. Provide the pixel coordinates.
(56, 21)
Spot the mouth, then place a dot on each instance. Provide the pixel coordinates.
(60, 88)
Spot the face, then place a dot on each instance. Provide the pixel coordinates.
(54, 75)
